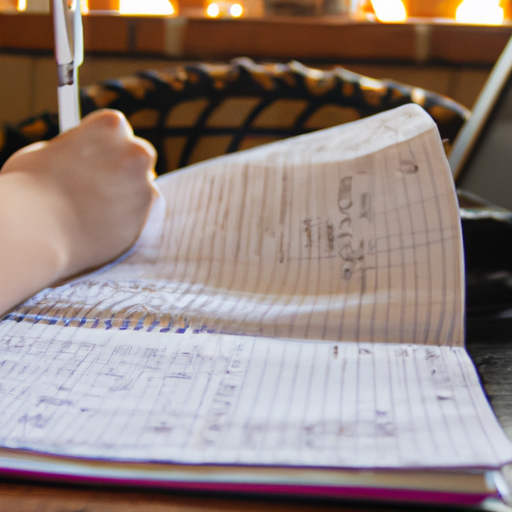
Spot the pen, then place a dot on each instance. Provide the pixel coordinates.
(69, 54)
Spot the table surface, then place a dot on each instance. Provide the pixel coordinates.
(493, 360)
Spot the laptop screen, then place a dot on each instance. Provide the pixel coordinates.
(488, 169)
(481, 158)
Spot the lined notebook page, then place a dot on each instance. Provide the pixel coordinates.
(347, 234)
(224, 399)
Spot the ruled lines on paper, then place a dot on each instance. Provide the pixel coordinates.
(197, 398)
(348, 234)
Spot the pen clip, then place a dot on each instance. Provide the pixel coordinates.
(69, 54)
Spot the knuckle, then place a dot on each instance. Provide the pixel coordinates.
(110, 119)
(147, 147)
(143, 153)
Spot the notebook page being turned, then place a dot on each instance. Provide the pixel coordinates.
(351, 233)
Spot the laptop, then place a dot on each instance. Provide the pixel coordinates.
(481, 162)
(481, 156)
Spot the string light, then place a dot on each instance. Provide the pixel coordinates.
(212, 10)
(480, 12)
(223, 8)
(156, 7)
(389, 11)
(236, 10)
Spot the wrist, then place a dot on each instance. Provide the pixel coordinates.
(31, 227)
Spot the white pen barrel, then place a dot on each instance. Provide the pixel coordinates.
(69, 110)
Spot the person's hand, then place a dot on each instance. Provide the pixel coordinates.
(73, 203)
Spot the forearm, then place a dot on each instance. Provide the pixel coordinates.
(33, 253)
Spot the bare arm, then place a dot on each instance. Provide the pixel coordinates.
(71, 204)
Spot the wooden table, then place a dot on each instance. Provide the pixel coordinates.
(41, 498)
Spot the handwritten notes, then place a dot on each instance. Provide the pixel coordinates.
(349, 234)
(296, 304)
(201, 398)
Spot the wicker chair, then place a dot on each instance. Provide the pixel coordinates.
(194, 112)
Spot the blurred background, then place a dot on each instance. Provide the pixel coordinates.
(447, 46)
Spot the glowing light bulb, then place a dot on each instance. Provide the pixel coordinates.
(389, 11)
(213, 10)
(22, 5)
(480, 12)
(236, 10)
(156, 7)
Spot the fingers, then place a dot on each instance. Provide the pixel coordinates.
(104, 152)
(148, 149)
(143, 156)
(109, 120)
(95, 180)
(112, 125)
